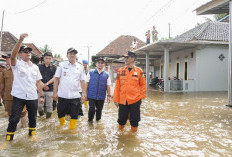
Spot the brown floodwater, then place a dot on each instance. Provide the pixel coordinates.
(172, 124)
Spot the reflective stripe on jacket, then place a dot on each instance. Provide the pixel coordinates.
(129, 86)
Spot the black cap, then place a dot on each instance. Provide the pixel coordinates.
(100, 59)
(48, 54)
(24, 47)
(72, 50)
(129, 53)
(7, 56)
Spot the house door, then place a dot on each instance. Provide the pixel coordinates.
(177, 70)
(185, 70)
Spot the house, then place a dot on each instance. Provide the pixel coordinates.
(9, 41)
(198, 59)
(114, 51)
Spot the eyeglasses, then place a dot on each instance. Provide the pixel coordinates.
(27, 51)
(100, 63)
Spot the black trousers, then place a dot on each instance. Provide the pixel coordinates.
(68, 106)
(17, 107)
(133, 110)
(95, 106)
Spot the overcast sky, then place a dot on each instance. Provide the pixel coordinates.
(79, 23)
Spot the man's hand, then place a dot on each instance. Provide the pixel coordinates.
(41, 100)
(108, 99)
(22, 36)
(116, 104)
(55, 96)
(46, 87)
(83, 98)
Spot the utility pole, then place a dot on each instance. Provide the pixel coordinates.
(1, 31)
(88, 51)
(169, 30)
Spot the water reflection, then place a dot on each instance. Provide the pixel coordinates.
(173, 124)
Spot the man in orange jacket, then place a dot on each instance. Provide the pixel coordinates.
(130, 88)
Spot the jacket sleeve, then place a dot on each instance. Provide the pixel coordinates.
(142, 83)
(116, 97)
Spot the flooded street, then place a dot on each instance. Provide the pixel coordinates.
(172, 124)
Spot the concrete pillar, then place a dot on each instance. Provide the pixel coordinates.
(147, 69)
(154, 70)
(230, 58)
(166, 70)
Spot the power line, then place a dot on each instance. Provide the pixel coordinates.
(165, 5)
(186, 10)
(31, 7)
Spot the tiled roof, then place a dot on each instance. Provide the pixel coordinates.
(209, 31)
(35, 50)
(120, 46)
(8, 41)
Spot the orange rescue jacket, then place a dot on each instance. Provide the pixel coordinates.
(129, 86)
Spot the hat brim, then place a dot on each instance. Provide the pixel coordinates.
(72, 51)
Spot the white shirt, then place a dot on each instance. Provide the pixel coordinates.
(108, 80)
(70, 76)
(25, 77)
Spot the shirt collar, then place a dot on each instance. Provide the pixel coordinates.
(25, 63)
(96, 70)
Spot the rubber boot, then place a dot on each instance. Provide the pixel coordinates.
(41, 113)
(121, 127)
(73, 123)
(31, 132)
(62, 121)
(9, 136)
(134, 129)
(48, 115)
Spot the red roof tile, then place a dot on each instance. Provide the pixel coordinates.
(8, 41)
(35, 50)
(120, 46)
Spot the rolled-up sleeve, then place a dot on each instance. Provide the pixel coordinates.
(58, 72)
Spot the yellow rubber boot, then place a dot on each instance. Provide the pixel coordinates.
(73, 123)
(9, 136)
(62, 121)
(31, 131)
(121, 127)
(86, 103)
(134, 129)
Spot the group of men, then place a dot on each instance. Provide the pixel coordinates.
(70, 84)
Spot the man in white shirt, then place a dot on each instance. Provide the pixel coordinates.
(27, 80)
(69, 77)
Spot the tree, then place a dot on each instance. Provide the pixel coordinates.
(220, 16)
(46, 48)
(57, 56)
(92, 65)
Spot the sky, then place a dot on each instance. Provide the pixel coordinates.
(95, 23)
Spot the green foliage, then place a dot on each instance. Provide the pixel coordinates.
(46, 48)
(57, 56)
(92, 65)
(219, 16)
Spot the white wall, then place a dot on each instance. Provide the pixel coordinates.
(182, 57)
(212, 74)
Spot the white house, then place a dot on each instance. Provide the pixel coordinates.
(198, 59)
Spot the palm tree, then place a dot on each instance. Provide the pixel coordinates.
(46, 48)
